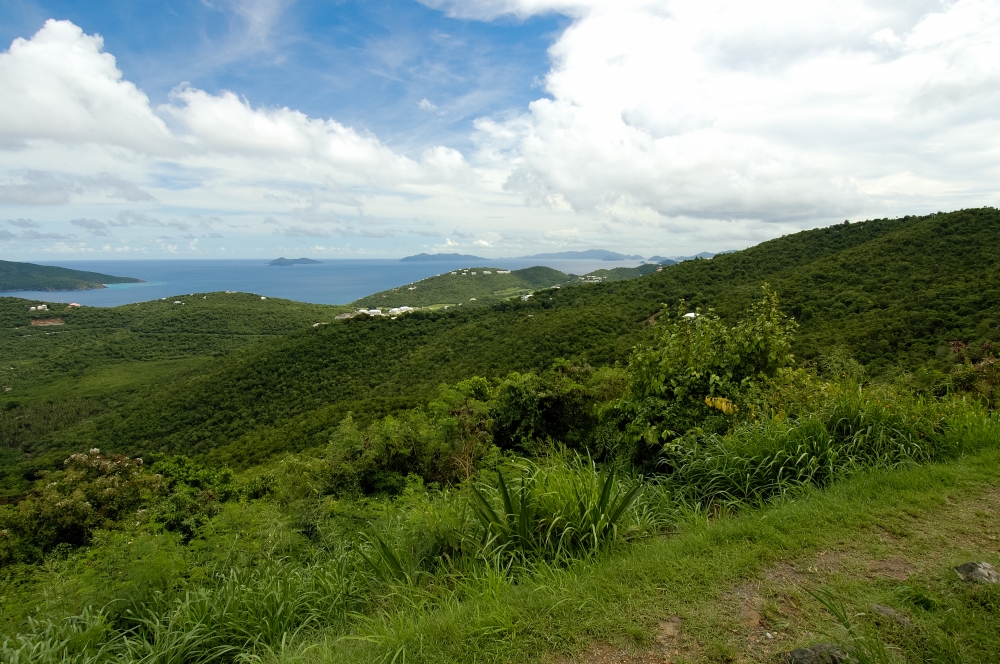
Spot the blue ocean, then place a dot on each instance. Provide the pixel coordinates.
(329, 282)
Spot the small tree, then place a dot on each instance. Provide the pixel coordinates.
(697, 372)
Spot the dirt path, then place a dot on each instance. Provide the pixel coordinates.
(771, 613)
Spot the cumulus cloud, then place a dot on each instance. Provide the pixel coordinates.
(30, 232)
(302, 231)
(131, 218)
(772, 110)
(684, 125)
(91, 224)
(74, 248)
(60, 86)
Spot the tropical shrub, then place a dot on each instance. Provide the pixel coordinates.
(443, 443)
(65, 507)
(698, 373)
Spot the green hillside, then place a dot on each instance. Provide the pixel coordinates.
(717, 461)
(874, 288)
(484, 286)
(28, 276)
(472, 287)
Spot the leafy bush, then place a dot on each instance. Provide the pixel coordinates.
(443, 443)
(65, 507)
(846, 429)
(698, 372)
(561, 405)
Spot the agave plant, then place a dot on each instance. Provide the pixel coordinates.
(553, 512)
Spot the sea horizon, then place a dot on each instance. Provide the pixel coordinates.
(332, 281)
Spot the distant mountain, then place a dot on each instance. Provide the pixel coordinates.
(662, 260)
(294, 261)
(28, 276)
(589, 254)
(440, 257)
(704, 254)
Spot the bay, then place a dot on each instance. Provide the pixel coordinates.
(337, 281)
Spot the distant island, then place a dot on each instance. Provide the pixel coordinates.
(31, 277)
(440, 257)
(589, 254)
(294, 261)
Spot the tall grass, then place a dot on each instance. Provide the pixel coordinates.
(566, 509)
(854, 428)
(431, 547)
(244, 612)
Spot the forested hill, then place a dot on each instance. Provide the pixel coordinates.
(485, 286)
(28, 276)
(471, 287)
(890, 291)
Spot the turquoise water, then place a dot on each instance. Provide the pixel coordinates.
(330, 282)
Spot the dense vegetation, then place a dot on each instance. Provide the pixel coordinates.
(376, 489)
(28, 276)
(874, 290)
(479, 286)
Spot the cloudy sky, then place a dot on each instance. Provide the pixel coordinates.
(381, 128)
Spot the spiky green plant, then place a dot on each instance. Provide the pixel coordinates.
(564, 509)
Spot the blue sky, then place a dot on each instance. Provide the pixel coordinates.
(244, 128)
(366, 63)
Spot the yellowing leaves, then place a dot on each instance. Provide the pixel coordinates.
(721, 403)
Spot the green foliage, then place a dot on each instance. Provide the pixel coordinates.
(443, 443)
(217, 562)
(473, 287)
(975, 370)
(862, 646)
(23, 424)
(66, 507)
(556, 511)
(698, 371)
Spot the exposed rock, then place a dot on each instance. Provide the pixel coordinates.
(978, 572)
(821, 653)
(891, 613)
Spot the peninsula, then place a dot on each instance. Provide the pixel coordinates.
(30, 277)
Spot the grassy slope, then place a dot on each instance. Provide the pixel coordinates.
(886, 537)
(206, 324)
(28, 276)
(877, 287)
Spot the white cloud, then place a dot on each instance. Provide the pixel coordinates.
(32, 187)
(672, 126)
(689, 109)
(60, 86)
